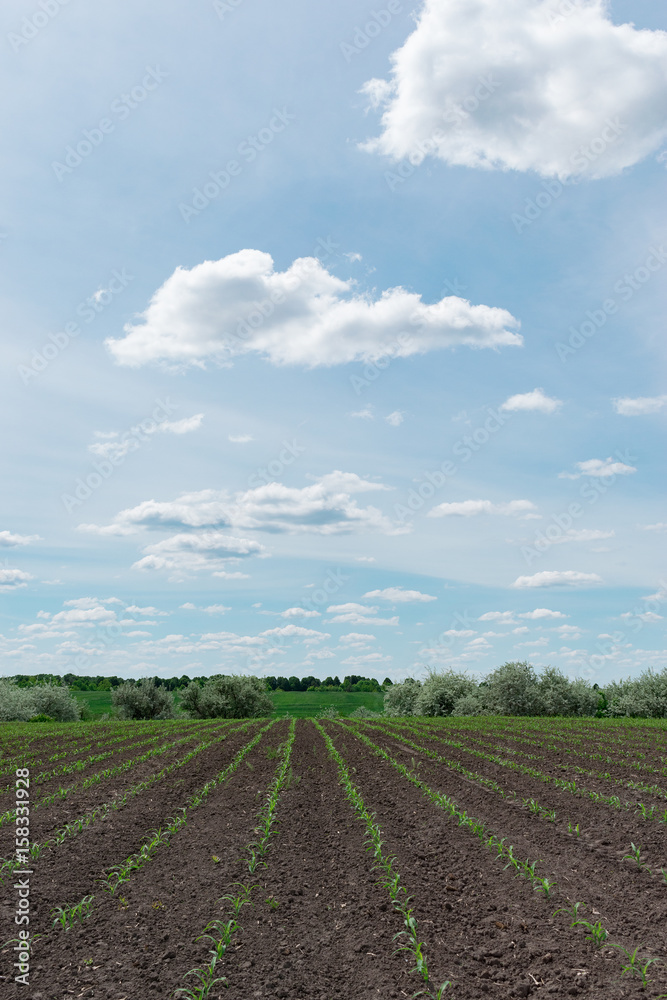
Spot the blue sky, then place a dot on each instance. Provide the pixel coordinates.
(333, 337)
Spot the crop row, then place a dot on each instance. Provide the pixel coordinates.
(571, 787)
(8, 866)
(598, 935)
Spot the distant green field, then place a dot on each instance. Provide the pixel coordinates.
(99, 702)
(298, 703)
(303, 703)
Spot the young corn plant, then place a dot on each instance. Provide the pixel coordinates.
(122, 873)
(571, 911)
(389, 878)
(67, 916)
(633, 966)
(597, 934)
(220, 932)
(635, 855)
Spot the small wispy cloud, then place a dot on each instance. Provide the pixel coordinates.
(536, 401)
(641, 406)
(557, 578)
(599, 467)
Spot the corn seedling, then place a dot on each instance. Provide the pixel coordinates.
(389, 878)
(634, 966)
(635, 855)
(67, 916)
(572, 911)
(237, 902)
(597, 934)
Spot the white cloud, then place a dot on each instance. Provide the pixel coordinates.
(471, 508)
(325, 508)
(461, 633)
(535, 400)
(87, 602)
(357, 638)
(190, 553)
(9, 540)
(365, 414)
(12, 579)
(211, 609)
(149, 611)
(299, 613)
(351, 606)
(599, 467)
(640, 406)
(357, 614)
(502, 617)
(557, 578)
(542, 613)
(115, 447)
(582, 535)
(398, 595)
(366, 559)
(500, 85)
(84, 616)
(396, 418)
(658, 526)
(296, 631)
(310, 318)
(240, 438)
(645, 616)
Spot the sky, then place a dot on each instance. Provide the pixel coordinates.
(333, 337)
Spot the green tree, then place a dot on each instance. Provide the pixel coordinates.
(143, 700)
(228, 697)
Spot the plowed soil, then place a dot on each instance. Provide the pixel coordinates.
(319, 927)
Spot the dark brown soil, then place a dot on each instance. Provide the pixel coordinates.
(319, 927)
